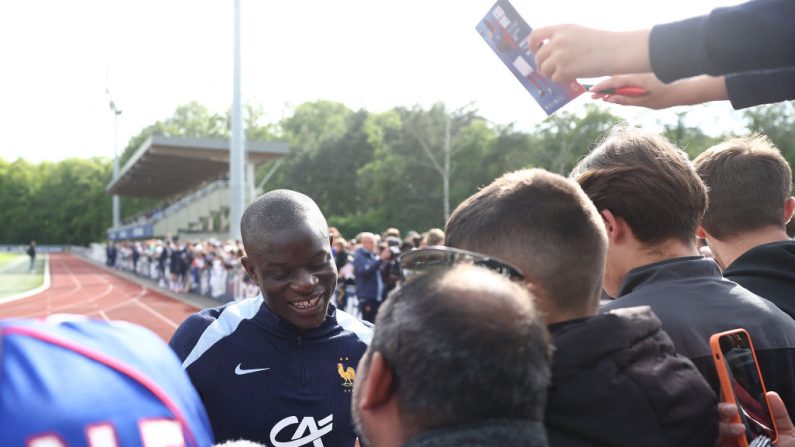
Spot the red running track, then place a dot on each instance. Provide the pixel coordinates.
(79, 287)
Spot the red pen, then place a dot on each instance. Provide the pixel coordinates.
(623, 91)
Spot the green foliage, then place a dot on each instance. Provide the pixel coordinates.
(691, 139)
(775, 121)
(55, 203)
(313, 124)
(329, 146)
(564, 138)
(367, 171)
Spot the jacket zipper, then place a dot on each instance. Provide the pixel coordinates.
(304, 381)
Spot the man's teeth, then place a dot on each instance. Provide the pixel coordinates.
(306, 304)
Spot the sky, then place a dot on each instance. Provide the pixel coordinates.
(59, 58)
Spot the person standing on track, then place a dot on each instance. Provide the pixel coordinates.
(32, 253)
(279, 368)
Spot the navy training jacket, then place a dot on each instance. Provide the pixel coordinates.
(263, 379)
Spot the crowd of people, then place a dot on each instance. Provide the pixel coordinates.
(563, 311)
(366, 265)
(210, 267)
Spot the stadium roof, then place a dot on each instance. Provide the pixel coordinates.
(166, 166)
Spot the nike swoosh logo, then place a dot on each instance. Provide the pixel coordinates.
(240, 371)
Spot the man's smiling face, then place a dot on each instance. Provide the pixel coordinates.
(296, 274)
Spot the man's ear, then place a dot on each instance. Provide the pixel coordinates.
(616, 226)
(789, 208)
(701, 233)
(378, 384)
(249, 268)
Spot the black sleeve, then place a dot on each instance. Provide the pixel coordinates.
(760, 87)
(752, 36)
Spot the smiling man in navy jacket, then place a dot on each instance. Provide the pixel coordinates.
(278, 368)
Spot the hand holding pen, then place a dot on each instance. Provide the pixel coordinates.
(645, 90)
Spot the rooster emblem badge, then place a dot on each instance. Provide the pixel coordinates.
(348, 374)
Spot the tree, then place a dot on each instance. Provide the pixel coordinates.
(54, 203)
(691, 139)
(562, 139)
(436, 132)
(775, 121)
(313, 125)
(327, 173)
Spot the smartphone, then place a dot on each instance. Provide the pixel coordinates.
(741, 384)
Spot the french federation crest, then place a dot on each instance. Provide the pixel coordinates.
(348, 374)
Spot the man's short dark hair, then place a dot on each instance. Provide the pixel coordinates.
(749, 182)
(646, 180)
(277, 210)
(465, 345)
(545, 225)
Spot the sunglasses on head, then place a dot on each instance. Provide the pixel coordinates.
(438, 256)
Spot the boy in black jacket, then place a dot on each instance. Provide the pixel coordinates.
(616, 379)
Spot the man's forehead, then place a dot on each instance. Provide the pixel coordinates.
(300, 237)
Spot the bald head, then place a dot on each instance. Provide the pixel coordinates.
(465, 345)
(278, 210)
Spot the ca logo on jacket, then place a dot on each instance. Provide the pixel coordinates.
(308, 431)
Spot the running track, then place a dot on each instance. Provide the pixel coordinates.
(79, 287)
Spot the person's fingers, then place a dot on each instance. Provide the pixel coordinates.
(605, 84)
(541, 56)
(560, 77)
(616, 82)
(728, 435)
(731, 429)
(727, 411)
(539, 35)
(779, 411)
(547, 68)
(626, 100)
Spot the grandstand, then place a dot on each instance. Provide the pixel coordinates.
(192, 174)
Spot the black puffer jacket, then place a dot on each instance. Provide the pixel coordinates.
(617, 381)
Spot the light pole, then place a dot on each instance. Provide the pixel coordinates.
(237, 148)
(116, 205)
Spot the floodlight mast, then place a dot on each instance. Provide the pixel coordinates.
(237, 150)
(116, 204)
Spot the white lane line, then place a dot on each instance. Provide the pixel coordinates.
(157, 314)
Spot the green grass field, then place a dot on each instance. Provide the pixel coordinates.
(14, 275)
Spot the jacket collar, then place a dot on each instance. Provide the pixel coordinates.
(775, 259)
(670, 269)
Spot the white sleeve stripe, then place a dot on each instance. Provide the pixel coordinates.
(226, 323)
(350, 323)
